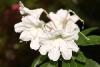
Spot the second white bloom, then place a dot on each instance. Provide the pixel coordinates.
(60, 40)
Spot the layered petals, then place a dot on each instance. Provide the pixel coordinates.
(55, 38)
(19, 27)
(58, 18)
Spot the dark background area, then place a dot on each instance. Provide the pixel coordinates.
(16, 54)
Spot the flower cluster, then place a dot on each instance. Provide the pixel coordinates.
(55, 37)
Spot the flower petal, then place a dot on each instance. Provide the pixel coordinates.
(43, 50)
(71, 27)
(59, 18)
(34, 44)
(26, 36)
(72, 45)
(54, 54)
(74, 18)
(25, 10)
(65, 51)
(71, 31)
(34, 21)
(67, 54)
(45, 47)
(19, 27)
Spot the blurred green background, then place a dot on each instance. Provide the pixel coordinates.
(16, 54)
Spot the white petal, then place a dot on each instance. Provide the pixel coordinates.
(58, 18)
(62, 12)
(19, 27)
(25, 36)
(71, 27)
(27, 22)
(74, 18)
(36, 13)
(75, 36)
(67, 54)
(71, 31)
(34, 44)
(43, 50)
(45, 47)
(72, 45)
(63, 45)
(54, 54)
(34, 32)
(34, 20)
(25, 10)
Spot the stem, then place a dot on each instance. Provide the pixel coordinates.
(84, 36)
(76, 14)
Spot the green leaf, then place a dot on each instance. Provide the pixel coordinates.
(80, 57)
(93, 40)
(89, 30)
(91, 63)
(72, 63)
(38, 61)
(49, 64)
(65, 64)
(82, 38)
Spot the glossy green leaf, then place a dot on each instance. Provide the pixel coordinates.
(89, 30)
(49, 64)
(38, 61)
(72, 63)
(93, 40)
(91, 63)
(65, 64)
(80, 57)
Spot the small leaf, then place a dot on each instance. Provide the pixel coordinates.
(93, 40)
(72, 63)
(38, 61)
(89, 30)
(65, 64)
(91, 63)
(80, 57)
(49, 64)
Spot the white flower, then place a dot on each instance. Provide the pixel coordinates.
(58, 18)
(55, 38)
(31, 26)
(60, 40)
